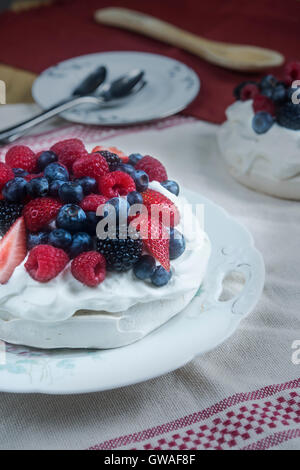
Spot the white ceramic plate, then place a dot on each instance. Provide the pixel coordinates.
(171, 86)
(202, 326)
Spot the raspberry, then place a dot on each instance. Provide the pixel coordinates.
(46, 262)
(23, 157)
(153, 167)
(116, 184)
(68, 151)
(6, 174)
(89, 268)
(91, 202)
(291, 72)
(263, 103)
(167, 211)
(249, 91)
(93, 165)
(40, 212)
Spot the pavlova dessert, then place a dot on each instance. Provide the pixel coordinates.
(260, 139)
(97, 250)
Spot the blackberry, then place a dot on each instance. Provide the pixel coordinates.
(112, 159)
(9, 213)
(288, 116)
(120, 254)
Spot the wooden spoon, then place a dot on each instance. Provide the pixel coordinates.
(231, 56)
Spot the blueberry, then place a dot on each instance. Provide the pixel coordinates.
(262, 122)
(38, 187)
(269, 81)
(81, 242)
(134, 158)
(55, 171)
(126, 168)
(15, 190)
(71, 192)
(116, 215)
(160, 277)
(20, 172)
(120, 205)
(171, 186)
(134, 198)
(145, 267)
(45, 159)
(35, 239)
(54, 187)
(177, 244)
(60, 238)
(71, 218)
(92, 220)
(141, 180)
(89, 185)
(279, 94)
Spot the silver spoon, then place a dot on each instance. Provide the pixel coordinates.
(111, 94)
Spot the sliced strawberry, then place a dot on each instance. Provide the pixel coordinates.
(169, 214)
(155, 238)
(115, 150)
(13, 250)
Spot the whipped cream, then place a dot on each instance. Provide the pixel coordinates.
(275, 154)
(25, 299)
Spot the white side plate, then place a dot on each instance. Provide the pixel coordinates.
(171, 86)
(202, 326)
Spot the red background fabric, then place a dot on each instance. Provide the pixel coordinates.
(38, 38)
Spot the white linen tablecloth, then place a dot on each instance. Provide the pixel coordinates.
(244, 394)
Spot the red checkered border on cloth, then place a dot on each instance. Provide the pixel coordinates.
(257, 420)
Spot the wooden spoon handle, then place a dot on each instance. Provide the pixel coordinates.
(232, 56)
(152, 27)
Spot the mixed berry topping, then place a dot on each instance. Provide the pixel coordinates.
(53, 202)
(273, 99)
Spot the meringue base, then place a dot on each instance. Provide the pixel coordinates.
(284, 189)
(88, 329)
(269, 162)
